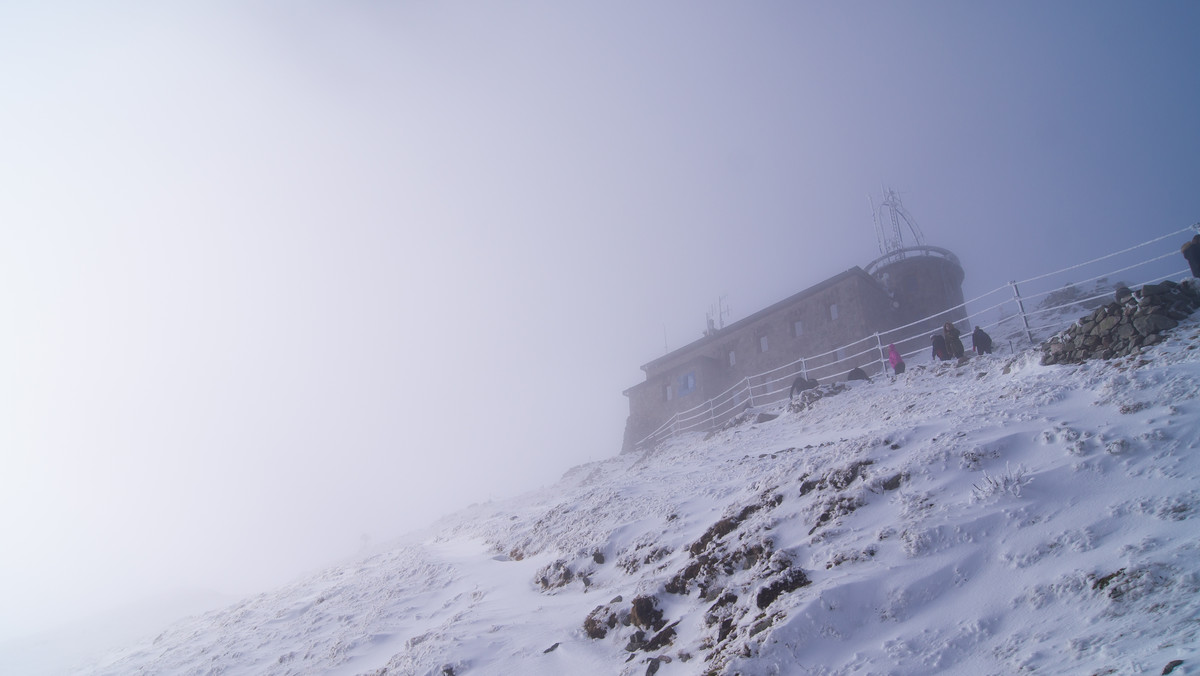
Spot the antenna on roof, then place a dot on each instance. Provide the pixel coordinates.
(715, 319)
(878, 229)
(896, 217)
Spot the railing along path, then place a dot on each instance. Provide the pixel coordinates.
(1008, 320)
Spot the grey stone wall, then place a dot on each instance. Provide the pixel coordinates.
(1135, 319)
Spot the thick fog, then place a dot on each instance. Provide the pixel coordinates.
(282, 281)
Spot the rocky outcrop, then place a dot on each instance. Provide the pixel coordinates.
(1135, 319)
(735, 568)
(646, 614)
(747, 416)
(806, 399)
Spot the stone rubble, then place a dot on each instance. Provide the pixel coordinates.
(1135, 319)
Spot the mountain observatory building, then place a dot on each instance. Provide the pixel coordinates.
(820, 333)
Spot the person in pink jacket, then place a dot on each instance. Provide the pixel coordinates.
(895, 360)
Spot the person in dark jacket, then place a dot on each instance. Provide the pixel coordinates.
(1191, 253)
(857, 374)
(939, 347)
(981, 341)
(800, 384)
(954, 346)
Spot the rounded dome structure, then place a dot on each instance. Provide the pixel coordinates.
(923, 281)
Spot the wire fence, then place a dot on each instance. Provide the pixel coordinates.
(1016, 315)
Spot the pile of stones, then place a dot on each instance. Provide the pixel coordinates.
(1135, 320)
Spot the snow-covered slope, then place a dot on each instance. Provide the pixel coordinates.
(993, 517)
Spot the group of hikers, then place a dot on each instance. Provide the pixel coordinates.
(947, 345)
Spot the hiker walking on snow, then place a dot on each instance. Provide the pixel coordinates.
(954, 346)
(1191, 253)
(939, 347)
(981, 341)
(895, 360)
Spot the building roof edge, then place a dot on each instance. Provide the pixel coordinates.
(717, 335)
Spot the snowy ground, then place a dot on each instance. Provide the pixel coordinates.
(993, 517)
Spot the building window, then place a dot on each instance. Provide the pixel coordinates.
(687, 383)
(732, 358)
(833, 311)
(762, 343)
(669, 393)
(797, 328)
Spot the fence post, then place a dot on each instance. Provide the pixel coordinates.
(803, 369)
(712, 418)
(749, 391)
(1021, 309)
(882, 356)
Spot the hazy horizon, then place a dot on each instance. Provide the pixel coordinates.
(282, 280)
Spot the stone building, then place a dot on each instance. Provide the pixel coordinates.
(821, 332)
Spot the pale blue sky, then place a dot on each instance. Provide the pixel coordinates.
(279, 275)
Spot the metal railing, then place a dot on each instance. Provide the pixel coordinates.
(1008, 320)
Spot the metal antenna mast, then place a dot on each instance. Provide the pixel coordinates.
(878, 228)
(899, 219)
(715, 320)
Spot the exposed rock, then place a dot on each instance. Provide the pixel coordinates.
(1153, 323)
(712, 616)
(727, 525)
(845, 557)
(761, 626)
(1137, 319)
(735, 566)
(662, 639)
(679, 583)
(807, 398)
(599, 621)
(838, 479)
(748, 415)
(831, 508)
(555, 575)
(646, 613)
(791, 580)
(726, 628)
(715, 532)
(642, 555)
